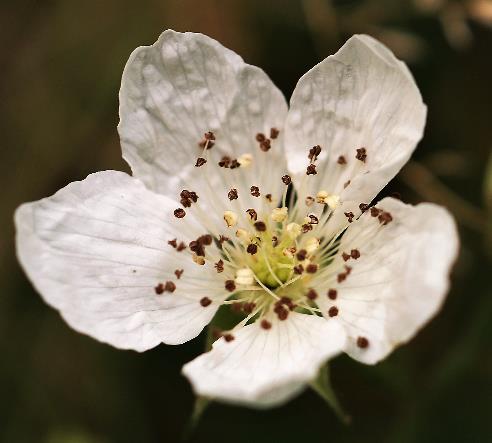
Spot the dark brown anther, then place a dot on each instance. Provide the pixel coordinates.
(173, 243)
(333, 311)
(223, 238)
(385, 218)
(260, 226)
(299, 269)
(375, 211)
(311, 268)
(332, 294)
(197, 247)
(348, 269)
(341, 277)
(345, 256)
(200, 161)
(230, 285)
(205, 301)
(312, 294)
(342, 160)
(274, 241)
(235, 164)
(265, 324)
(363, 207)
(248, 308)
(219, 266)
(232, 194)
(205, 239)
(362, 342)
(301, 255)
(186, 202)
(179, 213)
(159, 289)
(209, 135)
(169, 286)
(311, 169)
(361, 154)
(252, 249)
(346, 184)
(178, 273)
(274, 132)
(307, 227)
(309, 200)
(260, 137)
(355, 254)
(255, 191)
(286, 180)
(314, 152)
(269, 197)
(228, 337)
(265, 145)
(350, 216)
(181, 247)
(225, 162)
(314, 219)
(280, 310)
(252, 213)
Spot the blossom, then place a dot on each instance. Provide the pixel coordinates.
(237, 200)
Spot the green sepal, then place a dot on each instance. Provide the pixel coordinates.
(322, 386)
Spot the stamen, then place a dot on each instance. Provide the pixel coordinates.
(362, 342)
(200, 161)
(244, 277)
(363, 207)
(230, 285)
(385, 218)
(181, 247)
(245, 160)
(173, 243)
(260, 226)
(301, 255)
(178, 273)
(252, 213)
(265, 324)
(314, 152)
(274, 132)
(312, 244)
(232, 194)
(312, 294)
(255, 191)
(265, 145)
(350, 216)
(219, 266)
(228, 337)
(341, 160)
(279, 214)
(159, 289)
(309, 201)
(355, 254)
(179, 213)
(230, 218)
(311, 169)
(260, 137)
(361, 154)
(332, 294)
(311, 268)
(252, 249)
(287, 180)
(293, 230)
(333, 311)
(205, 301)
(199, 260)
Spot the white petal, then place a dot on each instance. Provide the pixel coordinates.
(360, 97)
(183, 86)
(264, 368)
(400, 280)
(96, 250)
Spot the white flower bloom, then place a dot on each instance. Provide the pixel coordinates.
(138, 261)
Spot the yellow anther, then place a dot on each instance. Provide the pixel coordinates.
(198, 259)
(325, 198)
(279, 214)
(245, 277)
(230, 218)
(245, 160)
(312, 244)
(293, 230)
(243, 235)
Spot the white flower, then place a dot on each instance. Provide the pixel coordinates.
(120, 256)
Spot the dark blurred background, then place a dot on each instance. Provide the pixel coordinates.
(60, 69)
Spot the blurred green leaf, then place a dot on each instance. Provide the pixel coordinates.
(322, 386)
